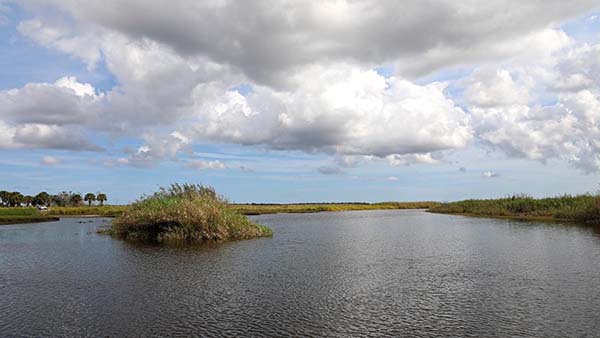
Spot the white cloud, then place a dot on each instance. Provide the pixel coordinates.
(158, 148)
(409, 159)
(64, 102)
(489, 174)
(41, 136)
(261, 38)
(506, 112)
(340, 110)
(205, 165)
(175, 64)
(50, 160)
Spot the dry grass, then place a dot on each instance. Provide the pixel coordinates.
(188, 213)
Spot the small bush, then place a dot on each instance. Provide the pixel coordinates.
(189, 213)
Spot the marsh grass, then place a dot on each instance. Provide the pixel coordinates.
(23, 215)
(579, 208)
(185, 213)
(250, 209)
(19, 212)
(257, 209)
(104, 211)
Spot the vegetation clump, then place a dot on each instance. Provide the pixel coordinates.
(188, 213)
(579, 208)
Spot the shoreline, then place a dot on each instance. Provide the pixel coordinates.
(524, 218)
(28, 219)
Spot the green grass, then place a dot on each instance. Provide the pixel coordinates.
(579, 208)
(104, 211)
(257, 209)
(23, 215)
(251, 209)
(185, 213)
(19, 212)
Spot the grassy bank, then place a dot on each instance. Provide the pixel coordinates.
(103, 211)
(23, 215)
(252, 209)
(185, 213)
(580, 208)
(258, 209)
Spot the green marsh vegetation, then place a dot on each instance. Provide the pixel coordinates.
(185, 213)
(260, 208)
(577, 208)
(13, 215)
(94, 210)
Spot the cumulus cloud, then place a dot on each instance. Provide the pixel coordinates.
(50, 116)
(158, 148)
(176, 64)
(41, 136)
(261, 37)
(340, 110)
(506, 113)
(66, 101)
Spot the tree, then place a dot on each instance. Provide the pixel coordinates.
(43, 198)
(89, 197)
(75, 199)
(27, 200)
(101, 198)
(15, 199)
(4, 195)
(64, 199)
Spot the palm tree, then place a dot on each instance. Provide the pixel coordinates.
(28, 200)
(42, 198)
(75, 199)
(4, 196)
(89, 197)
(101, 198)
(15, 199)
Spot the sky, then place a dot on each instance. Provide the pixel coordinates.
(301, 101)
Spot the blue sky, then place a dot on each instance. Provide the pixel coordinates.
(388, 117)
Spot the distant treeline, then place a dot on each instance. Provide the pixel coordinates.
(62, 199)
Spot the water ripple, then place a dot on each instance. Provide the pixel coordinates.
(352, 274)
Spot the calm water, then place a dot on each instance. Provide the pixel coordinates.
(373, 273)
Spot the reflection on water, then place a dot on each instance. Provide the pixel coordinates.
(368, 273)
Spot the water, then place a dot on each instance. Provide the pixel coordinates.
(368, 273)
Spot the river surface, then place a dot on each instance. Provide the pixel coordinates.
(346, 274)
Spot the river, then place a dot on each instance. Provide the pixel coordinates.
(345, 274)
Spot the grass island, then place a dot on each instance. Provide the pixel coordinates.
(185, 213)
